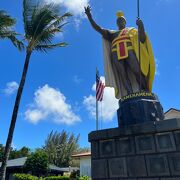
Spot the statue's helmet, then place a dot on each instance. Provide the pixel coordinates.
(120, 14)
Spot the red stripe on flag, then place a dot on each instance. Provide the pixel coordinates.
(99, 90)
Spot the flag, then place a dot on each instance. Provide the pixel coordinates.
(99, 88)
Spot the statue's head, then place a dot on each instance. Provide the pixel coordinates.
(121, 20)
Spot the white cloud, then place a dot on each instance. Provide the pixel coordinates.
(11, 88)
(51, 103)
(76, 7)
(109, 104)
(77, 79)
(157, 73)
(163, 1)
(13, 146)
(90, 103)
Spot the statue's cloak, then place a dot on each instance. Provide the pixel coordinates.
(147, 63)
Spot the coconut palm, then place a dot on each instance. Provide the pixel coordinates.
(41, 23)
(6, 32)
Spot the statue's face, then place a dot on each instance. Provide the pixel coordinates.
(121, 23)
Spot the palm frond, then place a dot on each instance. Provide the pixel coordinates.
(6, 32)
(6, 21)
(57, 22)
(11, 35)
(47, 36)
(19, 44)
(42, 22)
(28, 9)
(46, 48)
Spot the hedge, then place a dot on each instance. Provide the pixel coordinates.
(20, 176)
(56, 178)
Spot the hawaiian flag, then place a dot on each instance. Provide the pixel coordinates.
(99, 88)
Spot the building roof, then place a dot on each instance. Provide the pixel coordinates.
(82, 154)
(172, 109)
(16, 162)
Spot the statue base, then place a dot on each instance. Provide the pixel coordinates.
(139, 108)
(147, 151)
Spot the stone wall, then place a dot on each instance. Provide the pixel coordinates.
(147, 151)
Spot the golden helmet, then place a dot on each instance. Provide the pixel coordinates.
(120, 14)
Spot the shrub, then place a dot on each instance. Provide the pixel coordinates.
(19, 176)
(84, 178)
(37, 163)
(56, 178)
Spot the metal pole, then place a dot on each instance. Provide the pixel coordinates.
(97, 116)
(139, 46)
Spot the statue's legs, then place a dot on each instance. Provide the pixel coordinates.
(122, 72)
(134, 67)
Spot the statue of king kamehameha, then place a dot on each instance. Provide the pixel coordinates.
(121, 54)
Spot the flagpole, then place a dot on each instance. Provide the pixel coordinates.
(97, 116)
(139, 47)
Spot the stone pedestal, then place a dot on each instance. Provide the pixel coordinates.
(138, 152)
(139, 108)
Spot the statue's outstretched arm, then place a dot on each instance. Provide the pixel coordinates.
(102, 31)
(141, 30)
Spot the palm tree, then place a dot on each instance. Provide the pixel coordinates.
(41, 23)
(6, 32)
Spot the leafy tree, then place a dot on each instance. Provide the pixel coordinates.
(6, 32)
(37, 163)
(41, 23)
(23, 152)
(60, 147)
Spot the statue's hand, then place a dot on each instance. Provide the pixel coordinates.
(88, 11)
(139, 23)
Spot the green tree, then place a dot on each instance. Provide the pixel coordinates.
(60, 147)
(41, 24)
(23, 152)
(6, 32)
(37, 163)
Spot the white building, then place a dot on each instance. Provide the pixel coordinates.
(172, 113)
(85, 163)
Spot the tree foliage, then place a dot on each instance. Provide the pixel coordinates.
(37, 163)
(14, 153)
(41, 23)
(60, 146)
(23, 152)
(6, 32)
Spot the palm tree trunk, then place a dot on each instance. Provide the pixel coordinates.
(14, 117)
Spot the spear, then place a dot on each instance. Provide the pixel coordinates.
(139, 47)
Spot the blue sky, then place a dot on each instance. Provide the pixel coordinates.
(59, 91)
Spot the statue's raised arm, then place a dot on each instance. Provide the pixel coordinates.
(102, 31)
